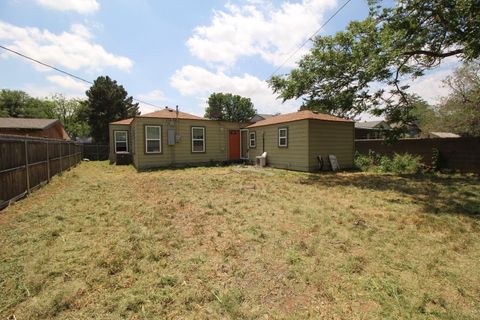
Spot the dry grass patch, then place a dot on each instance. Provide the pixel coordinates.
(107, 242)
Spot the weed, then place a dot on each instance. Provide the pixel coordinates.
(196, 246)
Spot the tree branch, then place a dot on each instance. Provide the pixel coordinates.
(433, 54)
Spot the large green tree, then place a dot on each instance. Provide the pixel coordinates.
(424, 113)
(229, 107)
(72, 113)
(367, 67)
(107, 102)
(18, 104)
(459, 112)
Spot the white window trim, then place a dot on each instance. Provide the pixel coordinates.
(254, 145)
(285, 137)
(115, 140)
(196, 139)
(241, 144)
(159, 139)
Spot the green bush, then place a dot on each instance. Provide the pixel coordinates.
(406, 163)
(436, 160)
(399, 163)
(364, 162)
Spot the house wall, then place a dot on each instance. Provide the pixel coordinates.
(216, 143)
(330, 137)
(54, 132)
(118, 127)
(362, 134)
(294, 157)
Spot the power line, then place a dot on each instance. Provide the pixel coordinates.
(67, 73)
(310, 38)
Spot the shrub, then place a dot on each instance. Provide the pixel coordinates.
(405, 163)
(399, 163)
(436, 159)
(366, 162)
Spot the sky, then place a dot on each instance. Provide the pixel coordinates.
(172, 53)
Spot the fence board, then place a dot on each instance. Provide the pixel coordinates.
(27, 162)
(95, 152)
(460, 154)
(11, 154)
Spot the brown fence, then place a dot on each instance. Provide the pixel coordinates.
(459, 154)
(95, 152)
(28, 162)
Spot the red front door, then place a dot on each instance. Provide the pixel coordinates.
(234, 145)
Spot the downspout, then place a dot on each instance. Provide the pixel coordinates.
(176, 132)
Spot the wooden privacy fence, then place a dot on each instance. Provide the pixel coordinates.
(459, 154)
(94, 152)
(28, 162)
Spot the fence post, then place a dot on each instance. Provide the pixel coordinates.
(61, 156)
(48, 163)
(69, 155)
(26, 166)
(98, 153)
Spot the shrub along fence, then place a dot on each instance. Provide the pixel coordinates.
(28, 162)
(95, 152)
(457, 154)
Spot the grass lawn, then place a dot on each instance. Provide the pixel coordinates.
(106, 242)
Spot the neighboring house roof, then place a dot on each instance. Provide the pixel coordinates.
(124, 121)
(261, 116)
(400, 125)
(27, 124)
(169, 113)
(444, 134)
(265, 115)
(370, 124)
(295, 116)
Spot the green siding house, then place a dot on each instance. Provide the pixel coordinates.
(296, 140)
(170, 138)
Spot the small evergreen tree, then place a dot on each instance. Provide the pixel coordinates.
(107, 102)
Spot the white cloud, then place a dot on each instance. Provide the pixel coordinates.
(152, 96)
(431, 87)
(145, 108)
(258, 28)
(255, 29)
(80, 6)
(68, 83)
(46, 91)
(74, 50)
(197, 81)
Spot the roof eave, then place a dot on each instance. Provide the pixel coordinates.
(258, 124)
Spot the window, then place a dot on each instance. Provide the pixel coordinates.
(121, 141)
(198, 139)
(283, 137)
(253, 139)
(132, 138)
(153, 139)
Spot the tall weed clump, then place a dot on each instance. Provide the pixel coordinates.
(400, 163)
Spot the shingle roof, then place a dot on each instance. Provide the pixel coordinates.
(169, 113)
(24, 123)
(124, 121)
(295, 116)
(265, 115)
(367, 124)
